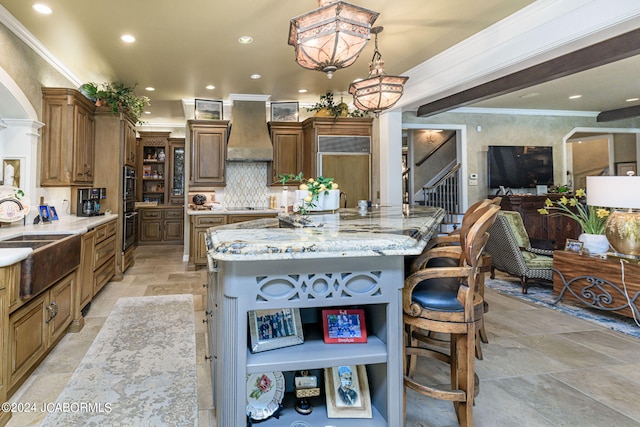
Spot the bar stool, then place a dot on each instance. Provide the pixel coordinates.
(445, 300)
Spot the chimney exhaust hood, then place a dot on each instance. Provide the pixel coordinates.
(249, 140)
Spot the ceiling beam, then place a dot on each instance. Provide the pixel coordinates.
(618, 114)
(614, 49)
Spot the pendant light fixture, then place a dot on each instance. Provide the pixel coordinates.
(332, 36)
(379, 91)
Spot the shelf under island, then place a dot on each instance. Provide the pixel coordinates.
(349, 259)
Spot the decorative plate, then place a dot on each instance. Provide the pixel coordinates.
(199, 199)
(14, 205)
(264, 394)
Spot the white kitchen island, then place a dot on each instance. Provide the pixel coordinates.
(347, 259)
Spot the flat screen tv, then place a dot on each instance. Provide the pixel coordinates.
(520, 166)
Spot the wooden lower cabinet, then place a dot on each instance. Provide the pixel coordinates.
(161, 225)
(4, 416)
(36, 327)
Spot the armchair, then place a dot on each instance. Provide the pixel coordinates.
(511, 251)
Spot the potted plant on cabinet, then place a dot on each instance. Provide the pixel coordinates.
(117, 96)
(327, 107)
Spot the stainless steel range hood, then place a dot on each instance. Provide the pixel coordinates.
(249, 140)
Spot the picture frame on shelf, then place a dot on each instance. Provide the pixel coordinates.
(344, 326)
(347, 392)
(271, 329)
(53, 213)
(284, 112)
(45, 214)
(622, 168)
(208, 109)
(11, 172)
(573, 245)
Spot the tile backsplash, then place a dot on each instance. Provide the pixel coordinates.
(246, 185)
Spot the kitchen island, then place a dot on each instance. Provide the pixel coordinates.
(349, 259)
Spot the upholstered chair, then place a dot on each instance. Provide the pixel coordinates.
(444, 300)
(511, 251)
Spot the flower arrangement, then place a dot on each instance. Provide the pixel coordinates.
(592, 219)
(116, 96)
(327, 106)
(314, 187)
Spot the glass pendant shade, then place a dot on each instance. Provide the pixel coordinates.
(332, 36)
(379, 91)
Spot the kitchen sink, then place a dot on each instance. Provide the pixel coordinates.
(53, 257)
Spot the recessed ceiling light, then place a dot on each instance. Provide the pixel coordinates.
(210, 87)
(255, 76)
(245, 39)
(147, 112)
(127, 38)
(357, 80)
(575, 96)
(302, 91)
(42, 8)
(633, 99)
(150, 88)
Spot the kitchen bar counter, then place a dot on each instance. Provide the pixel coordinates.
(311, 263)
(378, 231)
(232, 211)
(66, 225)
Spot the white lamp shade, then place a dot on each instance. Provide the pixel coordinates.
(614, 191)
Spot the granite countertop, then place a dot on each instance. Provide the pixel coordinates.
(234, 211)
(387, 230)
(66, 225)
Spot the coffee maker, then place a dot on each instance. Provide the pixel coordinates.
(89, 201)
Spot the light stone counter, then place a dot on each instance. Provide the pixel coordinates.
(66, 225)
(388, 230)
(232, 211)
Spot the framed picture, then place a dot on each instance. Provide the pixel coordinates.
(270, 329)
(344, 326)
(53, 213)
(208, 109)
(622, 168)
(572, 245)
(347, 392)
(284, 111)
(11, 172)
(45, 215)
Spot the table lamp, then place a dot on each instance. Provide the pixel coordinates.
(618, 192)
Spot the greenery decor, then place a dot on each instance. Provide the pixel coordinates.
(327, 106)
(117, 97)
(592, 219)
(315, 187)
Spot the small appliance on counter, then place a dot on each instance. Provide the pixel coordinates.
(89, 201)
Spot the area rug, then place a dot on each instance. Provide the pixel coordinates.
(544, 296)
(139, 371)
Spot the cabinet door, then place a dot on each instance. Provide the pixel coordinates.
(151, 231)
(83, 145)
(86, 269)
(176, 169)
(3, 385)
(352, 172)
(287, 151)
(27, 337)
(208, 151)
(200, 257)
(129, 144)
(174, 230)
(61, 300)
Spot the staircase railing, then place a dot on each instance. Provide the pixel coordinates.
(444, 192)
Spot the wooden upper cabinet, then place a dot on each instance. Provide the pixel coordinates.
(208, 139)
(288, 150)
(130, 145)
(67, 138)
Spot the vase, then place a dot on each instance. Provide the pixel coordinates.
(324, 202)
(596, 244)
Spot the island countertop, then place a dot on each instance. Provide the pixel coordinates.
(386, 230)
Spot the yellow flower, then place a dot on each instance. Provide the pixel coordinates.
(548, 203)
(573, 201)
(602, 213)
(580, 192)
(563, 200)
(543, 211)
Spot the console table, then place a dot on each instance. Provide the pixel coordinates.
(597, 282)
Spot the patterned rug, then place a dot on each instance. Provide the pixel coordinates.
(139, 371)
(543, 295)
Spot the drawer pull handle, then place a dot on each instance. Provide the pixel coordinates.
(53, 311)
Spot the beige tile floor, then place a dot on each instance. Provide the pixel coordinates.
(540, 368)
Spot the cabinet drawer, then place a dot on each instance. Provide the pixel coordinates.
(105, 230)
(102, 275)
(173, 214)
(104, 251)
(209, 221)
(151, 214)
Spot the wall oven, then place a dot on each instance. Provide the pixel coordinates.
(129, 214)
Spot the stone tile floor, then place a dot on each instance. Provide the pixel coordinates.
(540, 367)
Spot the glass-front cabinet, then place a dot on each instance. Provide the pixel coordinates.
(176, 162)
(153, 174)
